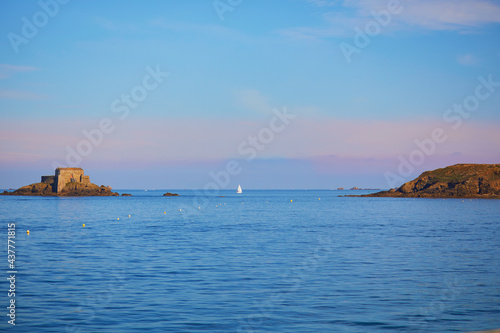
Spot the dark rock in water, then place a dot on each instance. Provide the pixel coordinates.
(456, 181)
(126, 195)
(168, 194)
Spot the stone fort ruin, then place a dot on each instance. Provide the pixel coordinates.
(65, 175)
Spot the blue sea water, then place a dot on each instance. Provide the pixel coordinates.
(261, 261)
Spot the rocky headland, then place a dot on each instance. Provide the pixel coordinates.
(456, 181)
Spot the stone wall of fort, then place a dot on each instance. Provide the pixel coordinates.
(69, 175)
(48, 179)
(65, 175)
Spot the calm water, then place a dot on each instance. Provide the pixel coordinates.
(255, 262)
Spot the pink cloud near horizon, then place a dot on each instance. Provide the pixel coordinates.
(196, 140)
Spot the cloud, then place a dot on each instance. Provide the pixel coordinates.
(20, 95)
(115, 26)
(310, 149)
(215, 30)
(165, 140)
(335, 25)
(467, 60)
(253, 100)
(439, 15)
(457, 15)
(450, 14)
(322, 3)
(105, 23)
(7, 70)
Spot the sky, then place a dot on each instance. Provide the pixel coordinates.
(284, 94)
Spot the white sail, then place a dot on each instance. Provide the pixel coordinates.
(239, 189)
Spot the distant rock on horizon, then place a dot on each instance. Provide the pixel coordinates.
(456, 181)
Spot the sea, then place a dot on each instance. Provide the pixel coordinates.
(260, 261)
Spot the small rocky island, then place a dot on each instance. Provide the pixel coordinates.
(67, 182)
(456, 181)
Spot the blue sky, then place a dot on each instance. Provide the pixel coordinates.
(356, 118)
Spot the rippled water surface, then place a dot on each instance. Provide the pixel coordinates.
(261, 261)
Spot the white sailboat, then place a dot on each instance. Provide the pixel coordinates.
(239, 189)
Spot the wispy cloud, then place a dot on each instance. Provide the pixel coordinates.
(115, 26)
(7, 70)
(449, 14)
(105, 23)
(253, 100)
(322, 3)
(468, 60)
(211, 29)
(341, 17)
(325, 140)
(20, 95)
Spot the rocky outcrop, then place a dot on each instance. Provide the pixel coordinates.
(457, 181)
(81, 189)
(168, 194)
(41, 189)
(66, 182)
(70, 190)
